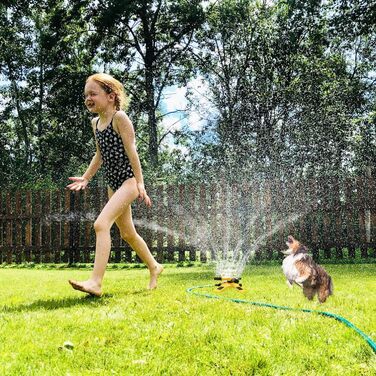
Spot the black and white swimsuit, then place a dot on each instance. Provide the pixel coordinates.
(115, 160)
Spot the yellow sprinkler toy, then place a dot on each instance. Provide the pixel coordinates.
(228, 283)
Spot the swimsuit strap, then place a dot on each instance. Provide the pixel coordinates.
(110, 125)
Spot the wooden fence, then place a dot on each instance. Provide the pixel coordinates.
(187, 222)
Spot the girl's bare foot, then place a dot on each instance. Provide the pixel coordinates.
(90, 287)
(154, 273)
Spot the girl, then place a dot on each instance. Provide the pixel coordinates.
(116, 150)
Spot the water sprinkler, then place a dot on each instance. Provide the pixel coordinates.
(228, 283)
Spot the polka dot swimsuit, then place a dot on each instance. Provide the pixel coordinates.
(115, 161)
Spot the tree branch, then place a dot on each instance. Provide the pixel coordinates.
(169, 113)
(136, 42)
(156, 14)
(169, 130)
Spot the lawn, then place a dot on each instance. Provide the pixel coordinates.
(132, 331)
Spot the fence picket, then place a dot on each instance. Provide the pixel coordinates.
(362, 218)
(160, 209)
(8, 228)
(18, 229)
(28, 226)
(66, 227)
(46, 227)
(171, 222)
(180, 228)
(203, 208)
(56, 227)
(2, 222)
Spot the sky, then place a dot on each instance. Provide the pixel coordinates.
(179, 115)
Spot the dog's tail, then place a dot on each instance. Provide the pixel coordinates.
(330, 285)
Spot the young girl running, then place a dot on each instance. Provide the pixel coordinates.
(116, 150)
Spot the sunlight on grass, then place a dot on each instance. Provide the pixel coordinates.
(132, 331)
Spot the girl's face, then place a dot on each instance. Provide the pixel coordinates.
(96, 99)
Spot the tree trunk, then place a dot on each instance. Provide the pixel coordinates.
(40, 120)
(152, 123)
(16, 97)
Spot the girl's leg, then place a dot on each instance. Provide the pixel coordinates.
(129, 234)
(117, 203)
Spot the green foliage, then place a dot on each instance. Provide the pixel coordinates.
(283, 88)
(147, 40)
(290, 86)
(45, 71)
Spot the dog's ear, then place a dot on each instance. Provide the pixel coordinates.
(290, 239)
(303, 249)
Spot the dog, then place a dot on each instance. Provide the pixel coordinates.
(299, 268)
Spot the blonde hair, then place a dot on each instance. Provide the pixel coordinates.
(111, 85)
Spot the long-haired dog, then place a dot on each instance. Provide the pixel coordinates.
(300, 268)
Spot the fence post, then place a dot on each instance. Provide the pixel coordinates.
(256, 201)
(326, 230)
(268, 220)
(216, 198)
(18, 219)
(281, 211)
(46, 227)
(338, 212)
(350, 231)
(2, 220)
(37, 226)
(66, 226)
(74, 231)
(71, 228)
(313, 218)
(171, 222)
(28, 226)
(181, 227)
(193, 197)
(8, 228)
(362, 217)
(372, 208)
(203, 209)
(161, 210)
(85, 256)
(56, 231)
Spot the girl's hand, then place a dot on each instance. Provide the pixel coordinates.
(78, 183)
(142, 195)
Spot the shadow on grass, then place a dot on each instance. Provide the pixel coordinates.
(188, 274)
(59, 303)
(139, 292)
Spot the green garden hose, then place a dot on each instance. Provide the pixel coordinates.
(190, 290)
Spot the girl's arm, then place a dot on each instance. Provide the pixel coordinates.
(82, 181)
(94, 166)
(125, 128)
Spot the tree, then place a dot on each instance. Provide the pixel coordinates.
(149, 40)
(352, 25)
(45, 62)
(284, 96)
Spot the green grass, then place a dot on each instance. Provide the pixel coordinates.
(131, 331)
